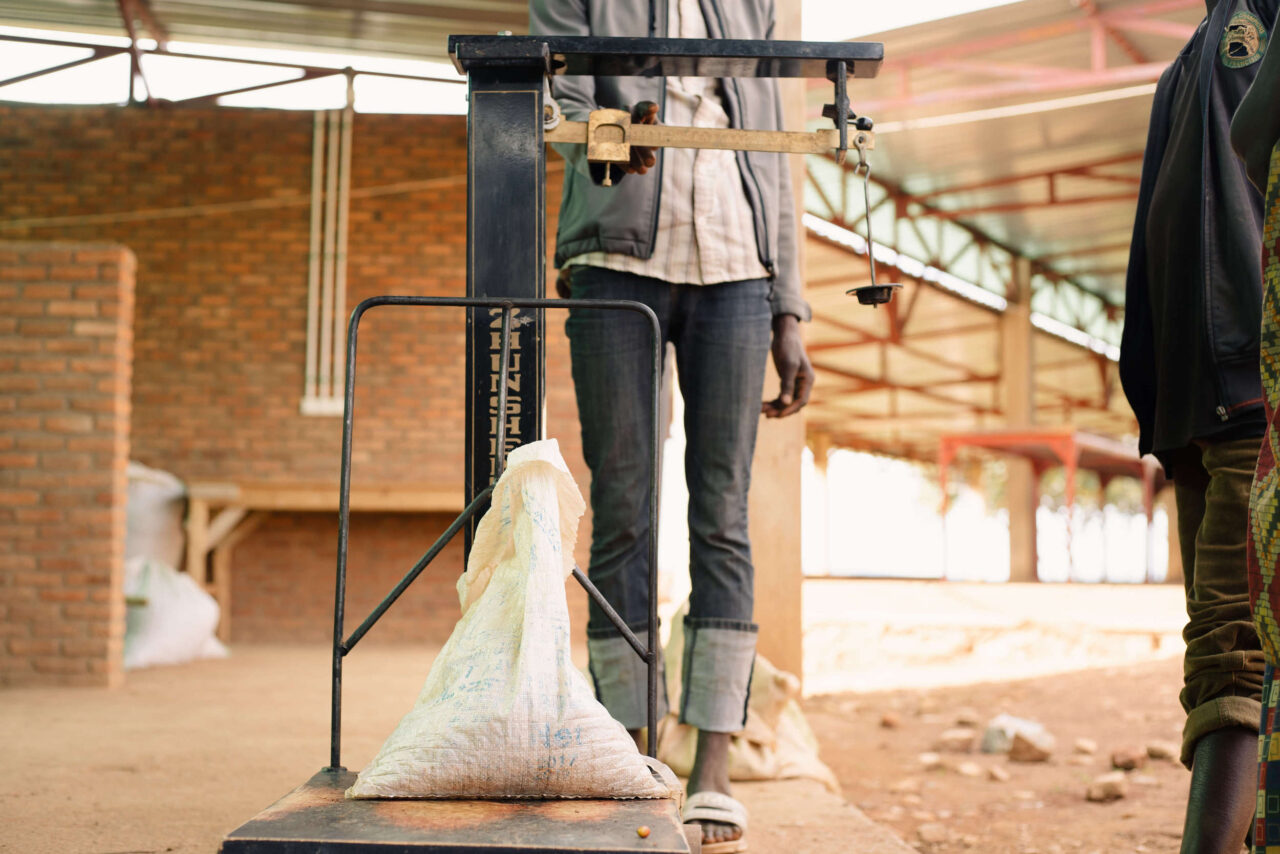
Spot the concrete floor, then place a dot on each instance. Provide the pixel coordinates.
(880, 635)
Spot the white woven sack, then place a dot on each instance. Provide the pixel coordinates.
(504, 713)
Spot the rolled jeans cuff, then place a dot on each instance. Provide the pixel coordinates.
(719, 656)
(621, 679)
(1218, 713)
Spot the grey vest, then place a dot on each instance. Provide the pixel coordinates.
(623, 218)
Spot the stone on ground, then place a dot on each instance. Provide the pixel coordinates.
(1086, 746)
(957, 740)
(1031, 747)
(1128, 759)
(1164, 751)
(1111, 786)
(933, 833)
(930, 761)
(998, 774)
(998, 737)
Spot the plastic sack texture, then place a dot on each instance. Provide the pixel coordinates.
(157, 502)
(177, 622)
(504, 713)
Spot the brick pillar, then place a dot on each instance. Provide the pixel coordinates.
(66, 354)
(1017, 368)
(775, 476)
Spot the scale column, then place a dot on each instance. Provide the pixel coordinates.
(506, 257)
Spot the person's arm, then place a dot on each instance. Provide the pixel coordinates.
(1255, 130)
(576, 94)
(795, 372)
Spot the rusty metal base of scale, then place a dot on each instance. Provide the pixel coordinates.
(315, 818)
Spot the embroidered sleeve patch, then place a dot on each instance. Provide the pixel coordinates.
(1243, 41)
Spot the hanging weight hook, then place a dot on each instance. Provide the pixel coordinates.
(874, 294)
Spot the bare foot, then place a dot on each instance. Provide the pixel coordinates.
(711, 773)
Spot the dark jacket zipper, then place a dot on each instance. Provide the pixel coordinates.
(662, 111)
(1205, 83)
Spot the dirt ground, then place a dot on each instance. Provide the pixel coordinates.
(180, 756)
(1042, 807)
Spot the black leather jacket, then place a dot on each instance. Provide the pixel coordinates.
(1230, 271)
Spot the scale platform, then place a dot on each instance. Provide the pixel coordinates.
(315, 818)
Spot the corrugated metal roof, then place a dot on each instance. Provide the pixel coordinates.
(406, 28)
(974, 115)
(987, 96)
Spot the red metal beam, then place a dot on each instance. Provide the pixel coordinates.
(465, 13)
(1101, 30)
(925, 209)
(321, 69)
(1081, 170)
(1000, 69)
(128, 10)
(1014, 207)
(1037, 84)
(1100, 271)
(142, 11)
(970, 329)
(867, 386)
(1121, 19)
(212, 97)
(98, 53)
(1152, 26)
(923, 391)
(866, 337)
(1102, 27)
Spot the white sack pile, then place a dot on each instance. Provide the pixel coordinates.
(170, 619)
(174, 621)
(504, 713)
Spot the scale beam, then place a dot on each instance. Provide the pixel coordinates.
(822, 141)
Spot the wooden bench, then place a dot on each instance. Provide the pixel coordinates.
(220, 514)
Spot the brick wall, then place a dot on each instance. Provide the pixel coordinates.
(284, 579)
(66, 349)
(221, 320)
(221, 315)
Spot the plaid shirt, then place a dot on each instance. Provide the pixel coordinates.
(706, 234)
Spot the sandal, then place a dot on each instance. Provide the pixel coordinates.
(715, 806)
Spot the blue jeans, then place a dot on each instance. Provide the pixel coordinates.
(721, 335)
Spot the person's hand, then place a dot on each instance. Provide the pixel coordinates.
(794, 370)
(642, 157)
(562, 283)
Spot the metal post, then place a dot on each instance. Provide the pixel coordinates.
(507, 308)
(506, 257)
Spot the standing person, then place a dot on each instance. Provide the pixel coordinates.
(1189, 366)
(709, 243)
(1255, 134)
